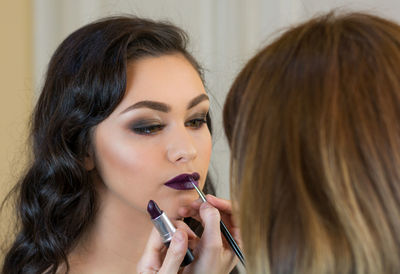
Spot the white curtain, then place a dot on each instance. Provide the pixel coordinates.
(223, 34)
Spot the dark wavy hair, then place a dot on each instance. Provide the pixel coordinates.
(56, 200)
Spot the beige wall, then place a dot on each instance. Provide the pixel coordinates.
(15, 93)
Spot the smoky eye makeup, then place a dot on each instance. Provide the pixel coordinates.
(197, 120)
(146, 126)
(151, 126)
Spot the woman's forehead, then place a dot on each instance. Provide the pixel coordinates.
(168, 79)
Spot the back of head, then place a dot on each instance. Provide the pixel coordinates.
(313, 121)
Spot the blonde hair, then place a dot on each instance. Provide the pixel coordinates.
(313, 121)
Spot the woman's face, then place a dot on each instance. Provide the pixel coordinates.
(156, 133)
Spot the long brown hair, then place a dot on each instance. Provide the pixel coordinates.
(313, 122)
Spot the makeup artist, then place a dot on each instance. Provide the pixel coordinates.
(123, 118)
(313, 122)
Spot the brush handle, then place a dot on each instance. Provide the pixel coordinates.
(231, 242)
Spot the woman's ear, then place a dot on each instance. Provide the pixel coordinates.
(89, 160)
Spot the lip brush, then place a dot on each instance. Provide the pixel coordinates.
(224, 229)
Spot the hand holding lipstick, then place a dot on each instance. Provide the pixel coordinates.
(157, 258)
(211, 255)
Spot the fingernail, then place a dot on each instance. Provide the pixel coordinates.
(178, 236)
(206, 205)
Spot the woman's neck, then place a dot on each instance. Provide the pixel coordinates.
(116, 240)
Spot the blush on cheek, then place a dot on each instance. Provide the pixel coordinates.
(119, 160)
(112, 156)
(208, 147)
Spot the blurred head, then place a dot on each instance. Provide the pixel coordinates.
(93, 134)
(313, 122)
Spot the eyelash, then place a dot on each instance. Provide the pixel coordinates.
(148, 130)
(195, 123)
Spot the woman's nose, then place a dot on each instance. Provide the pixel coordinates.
(181, 148)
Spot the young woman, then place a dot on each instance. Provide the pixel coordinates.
(123, 118)
(313, 122)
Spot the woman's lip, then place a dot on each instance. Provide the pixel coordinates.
(183, 181)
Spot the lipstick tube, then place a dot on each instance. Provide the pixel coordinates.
(166, 229)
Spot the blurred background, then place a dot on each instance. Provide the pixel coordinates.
(223, 35)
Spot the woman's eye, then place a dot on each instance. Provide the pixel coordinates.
(147, 130)
(196, 123)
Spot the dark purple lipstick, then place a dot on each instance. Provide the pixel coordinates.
(165, 228)
(183, 181)
(153, 210)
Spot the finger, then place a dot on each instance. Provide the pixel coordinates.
(210, 217)
(184, 211)
(194, 214)
(222, 205)
(196, 204)
(181, 225)
(210, 248)
(187, 212)
(151, 258)
(176, 252)
(192, 237)
(190, 210)
(193, 243)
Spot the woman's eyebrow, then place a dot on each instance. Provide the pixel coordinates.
(197, 100)
(164, 107)
(149, 104)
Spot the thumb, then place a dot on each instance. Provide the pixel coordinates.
(211, 218)
(176, 252)
(152, 255)
(209, 250)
